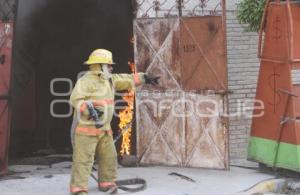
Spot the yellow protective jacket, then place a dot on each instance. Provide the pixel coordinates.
(91, 87)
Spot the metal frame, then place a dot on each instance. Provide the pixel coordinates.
(276, 87)
(180, 8)
(223, 94)
(290, 33)
(6, 112)
(8, 17)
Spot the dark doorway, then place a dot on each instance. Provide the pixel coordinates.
(52, 39)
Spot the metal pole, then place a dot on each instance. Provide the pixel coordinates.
(179, 2)
(290, 30)
(225, 98)
(261, 29)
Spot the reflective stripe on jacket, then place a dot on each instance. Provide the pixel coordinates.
(91, 87)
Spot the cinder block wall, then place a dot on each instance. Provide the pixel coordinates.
(243, 67)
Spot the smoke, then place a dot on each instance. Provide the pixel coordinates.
(53, 39)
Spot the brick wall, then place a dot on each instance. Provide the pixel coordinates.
(243, 66)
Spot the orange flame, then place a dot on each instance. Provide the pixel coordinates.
(126, 117)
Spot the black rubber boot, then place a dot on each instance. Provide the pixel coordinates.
(81, 193)
(109, 189)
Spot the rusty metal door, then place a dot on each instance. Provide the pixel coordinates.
(182, 122)
(6, 35)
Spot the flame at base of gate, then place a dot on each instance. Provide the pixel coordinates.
(126, 117)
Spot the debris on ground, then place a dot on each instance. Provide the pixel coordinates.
(160, 180)
(293, 187)
(182, 177)
(129, 161)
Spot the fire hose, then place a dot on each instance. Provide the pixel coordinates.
(122, 184)
(139, 183)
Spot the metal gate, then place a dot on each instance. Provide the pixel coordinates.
(5, 63)
(6, 36)
(182, 121)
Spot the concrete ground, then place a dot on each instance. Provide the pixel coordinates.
(54, 180)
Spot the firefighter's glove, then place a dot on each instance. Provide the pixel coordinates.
(152, 80)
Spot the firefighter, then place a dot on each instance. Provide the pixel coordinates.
(97, 87)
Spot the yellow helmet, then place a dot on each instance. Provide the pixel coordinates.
(100, 56)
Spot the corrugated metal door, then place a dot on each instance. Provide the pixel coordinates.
(181, 122)
(6, 35)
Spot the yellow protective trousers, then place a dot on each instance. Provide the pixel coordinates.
(89, 141)
(86, 148)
